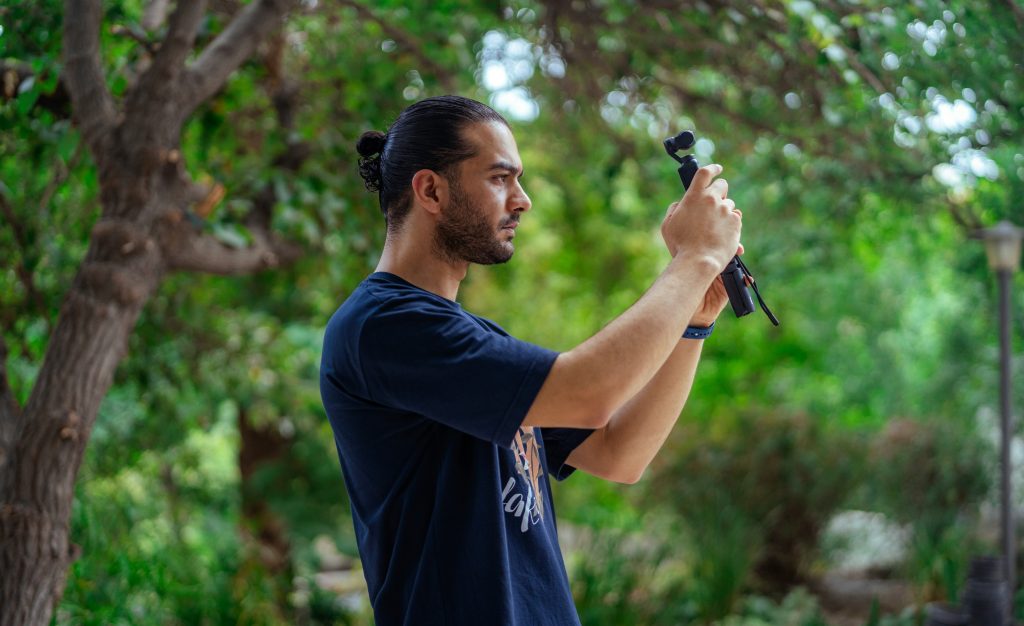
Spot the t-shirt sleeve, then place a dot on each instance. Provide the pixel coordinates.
(558, 444)
(441, 364)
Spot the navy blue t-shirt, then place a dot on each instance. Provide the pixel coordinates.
(450, 496)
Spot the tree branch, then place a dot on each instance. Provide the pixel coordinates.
(137, 35)
(93, 105)
(1018, 13)
(231, 48)
(865, 72)
(154, 14)
(152, 111)
(964, 216)
(407, 41)
(181, 36)
(688, 96)
(191, 251)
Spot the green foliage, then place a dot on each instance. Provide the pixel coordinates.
(858, 244)
(621, 578)
(754, 496)
(654, 575)
(933, 476)
(723, 546)
(159, 539)
(930, 471)
(798, 608)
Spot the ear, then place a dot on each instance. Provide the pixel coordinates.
(430, 190)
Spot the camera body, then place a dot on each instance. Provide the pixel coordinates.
(735, 276)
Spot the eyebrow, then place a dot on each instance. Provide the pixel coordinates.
(505, 165)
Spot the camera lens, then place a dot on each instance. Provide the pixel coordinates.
(682, 141)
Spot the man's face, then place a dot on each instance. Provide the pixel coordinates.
(485, 199)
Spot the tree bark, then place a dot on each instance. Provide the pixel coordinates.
(38, 485)
(141, 235)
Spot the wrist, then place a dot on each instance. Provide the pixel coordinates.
(703, 265)
(701, 323)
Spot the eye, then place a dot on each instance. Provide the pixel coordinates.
(501, 178)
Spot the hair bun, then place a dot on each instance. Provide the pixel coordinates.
(369, 146)
(370, 143)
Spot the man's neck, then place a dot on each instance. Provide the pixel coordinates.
(417, 264)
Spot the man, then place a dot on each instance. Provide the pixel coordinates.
(447, 428)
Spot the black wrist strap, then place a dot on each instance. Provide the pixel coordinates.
(760, 300)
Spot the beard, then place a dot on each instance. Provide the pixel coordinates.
(464, 234)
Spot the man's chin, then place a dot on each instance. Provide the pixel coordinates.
(508, 250)
(502, 255)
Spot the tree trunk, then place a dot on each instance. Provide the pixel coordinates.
(37, 487)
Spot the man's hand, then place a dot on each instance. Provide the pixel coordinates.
(705, 224)
(713, 303)
(701, 220)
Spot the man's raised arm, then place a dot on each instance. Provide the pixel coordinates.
(589, 383)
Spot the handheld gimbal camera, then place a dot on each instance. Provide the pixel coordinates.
(736, 276)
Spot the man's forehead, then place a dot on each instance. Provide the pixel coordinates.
(494, 147)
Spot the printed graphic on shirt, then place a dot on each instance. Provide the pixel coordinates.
(529, 508)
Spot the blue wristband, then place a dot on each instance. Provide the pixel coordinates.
(697, 332)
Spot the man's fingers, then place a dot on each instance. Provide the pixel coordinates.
(705, 175)
(671, 209)
(719, 188)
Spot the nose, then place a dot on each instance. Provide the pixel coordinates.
(520, 201)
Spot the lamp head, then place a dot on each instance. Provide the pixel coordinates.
(1002, 245)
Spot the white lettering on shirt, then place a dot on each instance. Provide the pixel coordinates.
(529, 509)
(523, 508)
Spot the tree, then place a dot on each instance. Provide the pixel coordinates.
(144, 233)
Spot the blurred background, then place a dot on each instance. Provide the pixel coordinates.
(839, 469)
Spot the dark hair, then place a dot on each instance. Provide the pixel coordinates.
(427, 135)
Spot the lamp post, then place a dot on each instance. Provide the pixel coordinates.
(1002, 245)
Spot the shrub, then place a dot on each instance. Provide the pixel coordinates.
(754, 495)
(932, 475)
(622, 577)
